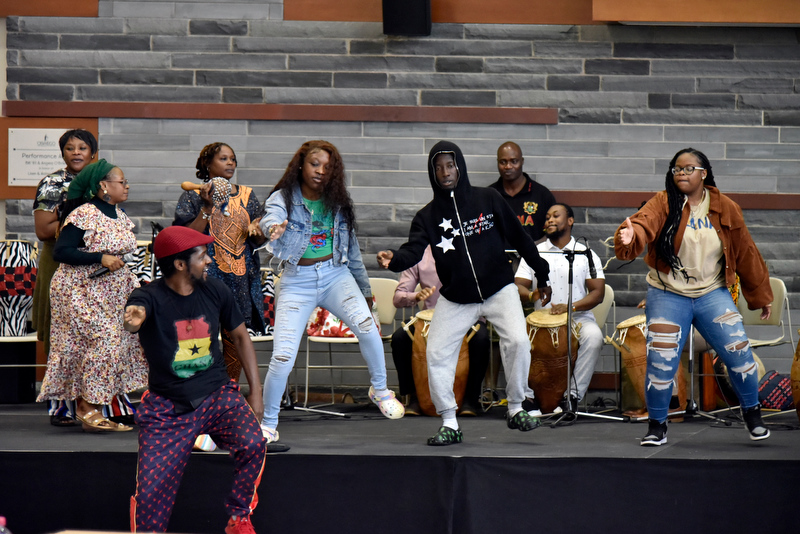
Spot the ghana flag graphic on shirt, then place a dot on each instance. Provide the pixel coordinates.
(194, 347)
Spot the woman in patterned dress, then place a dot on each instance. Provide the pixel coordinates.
(78, 148)
(92, 358)
(232, 220)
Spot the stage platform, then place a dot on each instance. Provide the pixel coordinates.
(367, 474)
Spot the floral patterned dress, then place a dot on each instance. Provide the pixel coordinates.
(91, 355)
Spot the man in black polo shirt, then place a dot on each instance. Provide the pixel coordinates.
(178, 318)
(529, 200)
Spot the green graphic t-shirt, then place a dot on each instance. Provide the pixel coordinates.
(321, 244)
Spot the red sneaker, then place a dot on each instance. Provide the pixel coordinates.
(239, 525)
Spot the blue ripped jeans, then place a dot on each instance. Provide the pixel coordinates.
(715, 317)
(302, 288)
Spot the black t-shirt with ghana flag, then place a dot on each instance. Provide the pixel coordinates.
(180, 338)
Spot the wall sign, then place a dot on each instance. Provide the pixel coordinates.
(33, 153)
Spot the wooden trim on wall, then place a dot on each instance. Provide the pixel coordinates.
(28, 114)
(449, 11)
(280, 112)
(634, 199)
(7, 191)
(739, 12)
(48, 8)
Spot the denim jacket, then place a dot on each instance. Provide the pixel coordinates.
(291, 246)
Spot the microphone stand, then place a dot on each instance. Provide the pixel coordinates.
(568, 416)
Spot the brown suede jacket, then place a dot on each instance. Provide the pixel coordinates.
(741, 254)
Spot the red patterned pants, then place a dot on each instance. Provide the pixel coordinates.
(165, 443)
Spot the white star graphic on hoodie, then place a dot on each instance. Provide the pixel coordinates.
(446, 244)
(446, 224)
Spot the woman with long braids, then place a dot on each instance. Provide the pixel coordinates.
(229, 213)
(311, 226)
(697, 243)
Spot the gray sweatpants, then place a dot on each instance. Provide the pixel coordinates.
(449, 325)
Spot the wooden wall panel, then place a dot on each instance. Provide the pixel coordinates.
(286, 112)
(48, 8)
(457, 11)
(699, 11)
(7, 191)
(562, 11)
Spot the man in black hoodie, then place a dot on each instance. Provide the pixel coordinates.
(467, 228)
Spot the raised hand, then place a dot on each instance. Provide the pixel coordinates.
(384, 257)
(277, 230)
(626, 234)
(134, 317)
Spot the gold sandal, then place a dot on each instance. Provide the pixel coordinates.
(93, 421)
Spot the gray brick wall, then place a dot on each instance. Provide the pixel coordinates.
(628, 98)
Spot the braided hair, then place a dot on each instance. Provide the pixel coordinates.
(665, 244)
(334, 196)
(207, 156)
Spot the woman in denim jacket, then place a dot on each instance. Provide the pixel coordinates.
(311, 227)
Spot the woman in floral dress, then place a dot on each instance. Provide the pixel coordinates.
(230, 214)
(92, 358)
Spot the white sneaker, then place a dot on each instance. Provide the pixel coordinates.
(389, 405)
(270, 434)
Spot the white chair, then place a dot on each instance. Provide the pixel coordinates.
(383, 290)
(601, 310)
(780, 301)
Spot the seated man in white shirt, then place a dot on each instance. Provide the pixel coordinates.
(588, 290)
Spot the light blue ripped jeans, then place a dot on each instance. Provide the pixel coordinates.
(715, 317)
(302, 288)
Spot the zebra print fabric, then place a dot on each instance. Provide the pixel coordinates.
(140, 263)
(268, 290)
(18, 260)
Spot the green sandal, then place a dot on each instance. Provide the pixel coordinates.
(446, 436)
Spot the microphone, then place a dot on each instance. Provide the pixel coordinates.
(592, 268)
(99, 272)
(589, 257)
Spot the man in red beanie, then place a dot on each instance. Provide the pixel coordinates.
(178, 318)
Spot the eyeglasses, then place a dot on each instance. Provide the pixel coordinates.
(689, 169)
(123, 182)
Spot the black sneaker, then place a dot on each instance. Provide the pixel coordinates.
(532, 406)
(755, 426)
(523, 421)
(446, 436)
(656, 434)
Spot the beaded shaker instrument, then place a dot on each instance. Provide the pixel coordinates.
(221, 193)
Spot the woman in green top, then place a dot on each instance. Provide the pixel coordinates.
(311, 227)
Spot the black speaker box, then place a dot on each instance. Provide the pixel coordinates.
(407, 17)
(17, 384)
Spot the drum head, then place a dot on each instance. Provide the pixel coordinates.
(425, 315)
(544, 319)
(633, 321)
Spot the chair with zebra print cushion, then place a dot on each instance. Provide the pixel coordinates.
(142, 263)
(18, 265)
